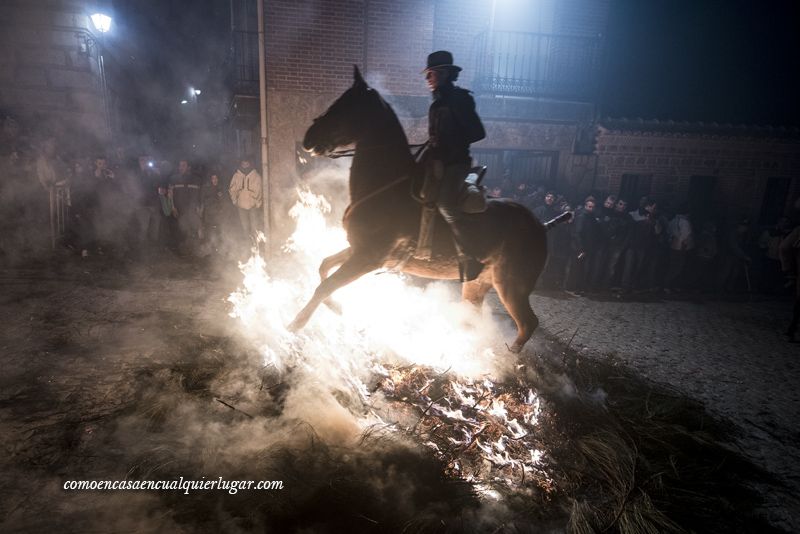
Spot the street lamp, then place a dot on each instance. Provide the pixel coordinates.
(102, 24)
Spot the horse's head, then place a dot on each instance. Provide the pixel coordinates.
(343, 122)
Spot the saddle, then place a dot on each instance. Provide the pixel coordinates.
(471, 200)
(473, 197)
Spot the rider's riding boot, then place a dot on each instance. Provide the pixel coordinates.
(469, 268)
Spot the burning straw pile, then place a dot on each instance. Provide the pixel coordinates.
(483, 432)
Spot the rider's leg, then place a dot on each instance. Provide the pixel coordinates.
(452, 186)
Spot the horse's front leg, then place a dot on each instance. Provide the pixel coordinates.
(352, 269)
(325, 267)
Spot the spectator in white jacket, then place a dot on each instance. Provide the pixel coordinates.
(681, 241)
(246, 195)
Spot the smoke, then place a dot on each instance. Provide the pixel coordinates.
(242, 398)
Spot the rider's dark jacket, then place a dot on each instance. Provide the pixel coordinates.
(452, 125)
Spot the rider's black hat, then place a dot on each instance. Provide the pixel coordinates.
(441, 59)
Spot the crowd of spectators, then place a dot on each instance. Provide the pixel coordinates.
(122, 202)
(130, 202)
(611, 246)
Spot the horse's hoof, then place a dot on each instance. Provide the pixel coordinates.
(334, 306)
(515, 348)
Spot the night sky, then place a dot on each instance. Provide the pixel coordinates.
(697, 60)
(704, 60)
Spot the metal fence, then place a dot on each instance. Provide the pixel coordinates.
(537, 64)
(59, 212)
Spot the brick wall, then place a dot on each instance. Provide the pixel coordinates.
(313, 45)
(399, 38)
(456, 26)
(740, 162)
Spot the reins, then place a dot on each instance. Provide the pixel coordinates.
(350, 152)
(352, 206)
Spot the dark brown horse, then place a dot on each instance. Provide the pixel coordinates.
(382, 221)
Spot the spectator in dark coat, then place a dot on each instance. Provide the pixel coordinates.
(603, 215)
(142, 190)
(736, 260)
(617, 236)
(186, 202)
(583, 247)
(642, 237)
(790, 262)
(704, 259)
(214, 204)
(558, 252)
(548, 210)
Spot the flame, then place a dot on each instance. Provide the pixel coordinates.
(412, 338)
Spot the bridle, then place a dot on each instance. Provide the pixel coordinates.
(350, 152)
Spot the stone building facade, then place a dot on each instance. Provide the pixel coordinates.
(534, 68)
(721, 171)
(50, 75)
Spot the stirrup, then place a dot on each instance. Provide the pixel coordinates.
(400, 265)
(422, 253)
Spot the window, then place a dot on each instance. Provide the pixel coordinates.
(634, 187)
(520, 166)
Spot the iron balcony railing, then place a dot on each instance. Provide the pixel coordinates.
(537, 64)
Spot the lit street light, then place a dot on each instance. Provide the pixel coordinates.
(101, 22)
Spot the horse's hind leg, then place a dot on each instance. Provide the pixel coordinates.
(353, 268)
(475, 290)
(514, 294)
(326, 266)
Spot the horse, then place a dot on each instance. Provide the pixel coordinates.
(382, 221)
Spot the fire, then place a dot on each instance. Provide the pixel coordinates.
(410, 340)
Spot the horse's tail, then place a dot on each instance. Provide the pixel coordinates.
(530, 252)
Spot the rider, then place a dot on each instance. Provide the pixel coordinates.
(452, 125)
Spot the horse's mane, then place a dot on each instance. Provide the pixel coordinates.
(391, 116)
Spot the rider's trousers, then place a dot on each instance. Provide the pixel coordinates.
(450, 191)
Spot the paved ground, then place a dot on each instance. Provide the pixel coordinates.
(74, 343)
(729, 355)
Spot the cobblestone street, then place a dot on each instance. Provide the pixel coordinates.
(730, 356)
(87, 346)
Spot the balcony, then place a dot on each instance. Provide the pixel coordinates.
(537, 65)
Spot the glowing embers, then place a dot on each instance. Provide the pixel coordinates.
(485, 432)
